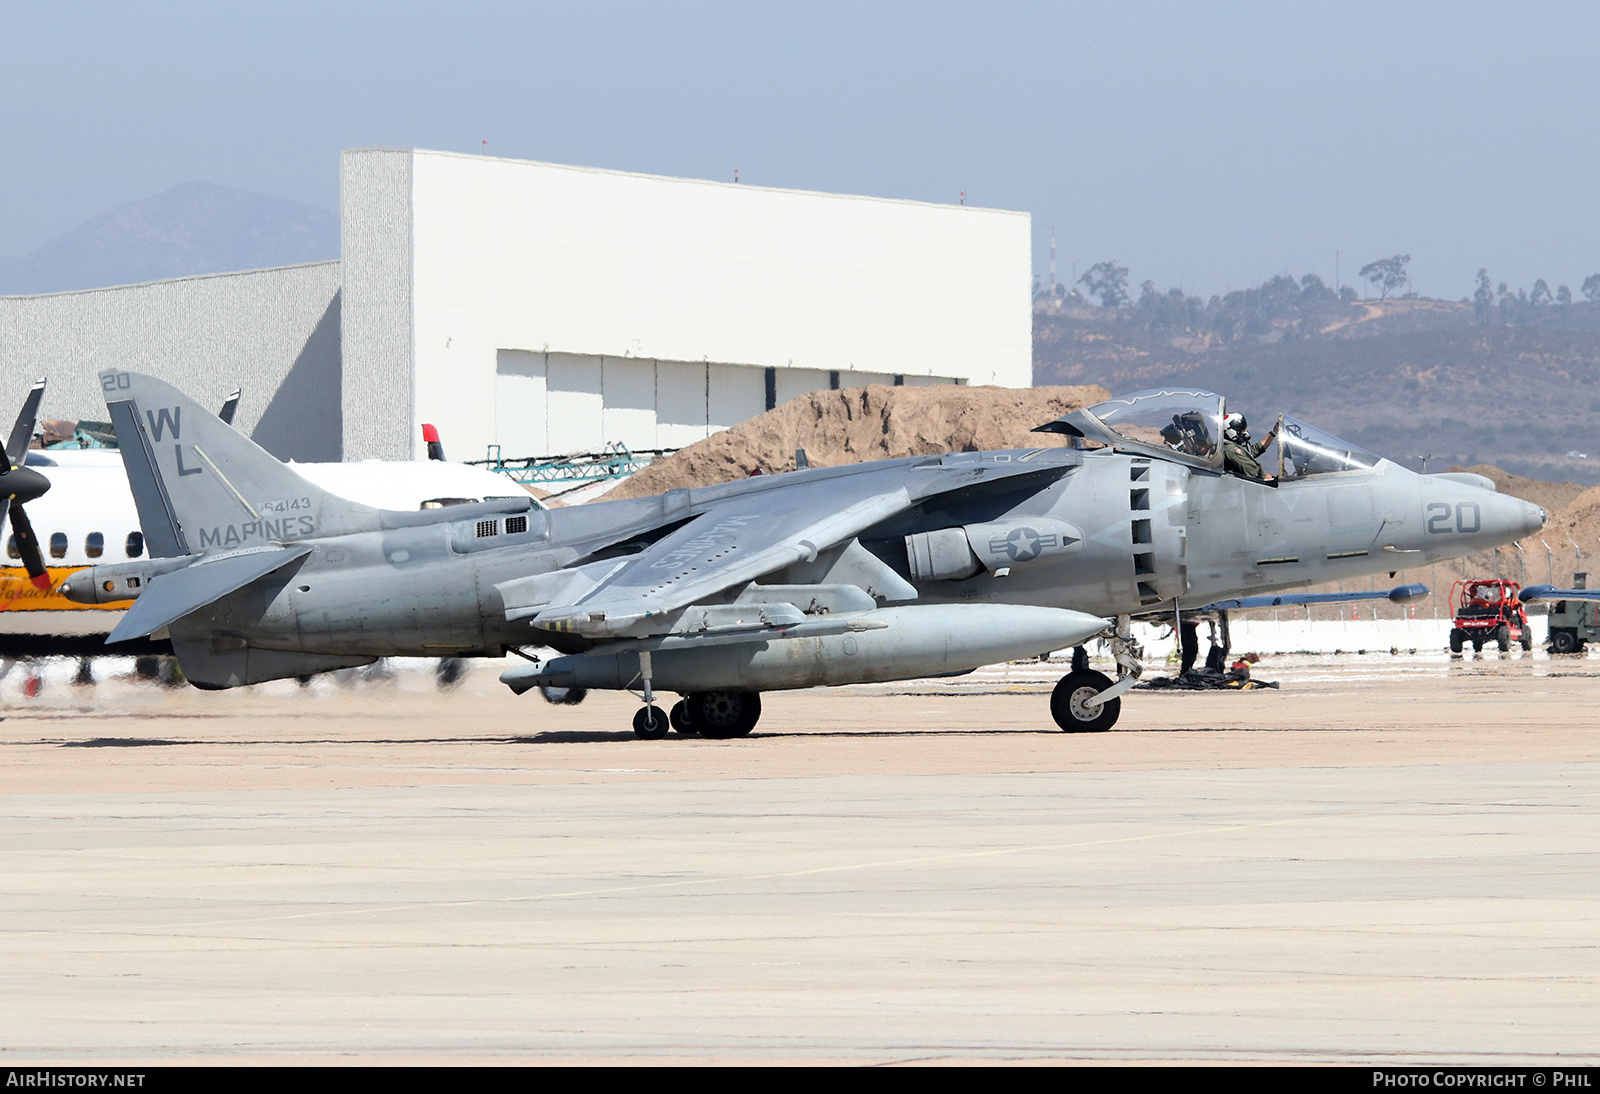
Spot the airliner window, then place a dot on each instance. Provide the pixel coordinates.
(135, 545)
(11, 548)
(1304, 450)
(1189, 422)
(58, 545)
(95, 545)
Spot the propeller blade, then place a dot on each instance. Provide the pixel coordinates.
(22, 432)
(28, 544)
(23, 484)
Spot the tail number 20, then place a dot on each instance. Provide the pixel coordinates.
(1468, 517)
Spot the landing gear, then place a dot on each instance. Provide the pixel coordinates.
(718, 715)
(679, 717)
(721, 715)
(1069, 703)
(449, 672)
(650, 722)
(1085, 701)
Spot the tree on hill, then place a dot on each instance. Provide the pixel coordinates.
(1483, 300)
(1386, 274)
(1591, 288)
(1109, 282)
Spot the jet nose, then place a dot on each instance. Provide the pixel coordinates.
(1506, 518)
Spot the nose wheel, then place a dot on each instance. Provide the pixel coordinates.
(1069, 703)
(1085, 701)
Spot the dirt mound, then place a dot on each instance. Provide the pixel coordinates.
(1549, 496)
(854, 425)
(1577, 521)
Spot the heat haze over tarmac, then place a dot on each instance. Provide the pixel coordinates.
(1390, 859)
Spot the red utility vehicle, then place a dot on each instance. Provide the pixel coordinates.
(1488, 610)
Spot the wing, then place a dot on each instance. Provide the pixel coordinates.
(1550, 592)
(743, 537)
(1400, 594)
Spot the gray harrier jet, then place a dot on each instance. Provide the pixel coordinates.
(929, 566)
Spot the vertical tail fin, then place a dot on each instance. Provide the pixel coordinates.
(200, 485)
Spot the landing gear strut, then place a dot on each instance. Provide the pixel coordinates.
(1085, 701)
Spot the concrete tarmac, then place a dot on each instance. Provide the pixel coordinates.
(1390, 860)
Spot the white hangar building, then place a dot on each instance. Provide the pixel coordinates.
(549, 309)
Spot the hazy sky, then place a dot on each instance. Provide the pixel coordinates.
(1205, 144)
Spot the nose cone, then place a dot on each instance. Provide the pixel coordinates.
(1505, 519)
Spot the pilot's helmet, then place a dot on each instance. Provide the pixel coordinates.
(1233, 427)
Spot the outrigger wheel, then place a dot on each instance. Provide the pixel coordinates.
(1067, 703)
(650, 722)
(721, 715)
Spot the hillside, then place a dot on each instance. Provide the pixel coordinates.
(854, 425)
(195, 228)
(1404, 378)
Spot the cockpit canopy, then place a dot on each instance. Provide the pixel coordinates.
(1304, 450)
(1186, 425)
(1168, 422)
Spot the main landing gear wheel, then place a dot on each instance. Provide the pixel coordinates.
(1067, 703)
(650, 722)
(721, 715)
(679, 717)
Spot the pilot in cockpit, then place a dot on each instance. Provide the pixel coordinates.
(1239, 453)
(1187, 432)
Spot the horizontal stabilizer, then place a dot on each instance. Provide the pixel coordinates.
(1400, 594)
(172, 596)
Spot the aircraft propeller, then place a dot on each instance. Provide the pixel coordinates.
(20, 484)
